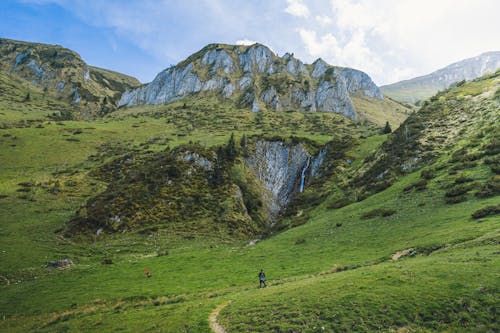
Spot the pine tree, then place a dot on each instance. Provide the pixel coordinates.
(231, 151)
(387, 128)
(218, 173)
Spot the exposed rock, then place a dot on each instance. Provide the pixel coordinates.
(319, 68)
(359, 82)
(63, 74)
(333, 97)
(260, 76)
(279, 167)
(197, 159)
(218, 59)
(62, 263)
(255, 106)
(257, 58)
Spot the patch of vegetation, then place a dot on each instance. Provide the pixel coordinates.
(486, 211)
(383, 212)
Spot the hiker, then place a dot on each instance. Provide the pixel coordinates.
(147, 272)
(262, 279)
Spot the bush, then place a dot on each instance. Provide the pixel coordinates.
(457, 190)
(339, 203)
(456, 199)
(427, 174)
(463, 179)
(486, 211)
(378, 212)
(490, 188)
(419, 186)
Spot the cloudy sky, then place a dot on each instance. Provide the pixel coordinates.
(391, 40)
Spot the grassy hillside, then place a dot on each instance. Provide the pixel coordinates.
(61, 74)
(330, 261)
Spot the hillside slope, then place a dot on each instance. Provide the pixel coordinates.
(413, 257)
(64, 75)
(423, 87)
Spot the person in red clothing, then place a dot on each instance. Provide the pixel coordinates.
(147, 272)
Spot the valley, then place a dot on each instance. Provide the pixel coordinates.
(204, 192)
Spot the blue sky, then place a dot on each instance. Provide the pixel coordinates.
(389, 39)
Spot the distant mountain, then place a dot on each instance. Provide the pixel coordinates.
(62, 73)
(256, 77)
(423, 87)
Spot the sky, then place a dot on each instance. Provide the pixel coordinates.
(390, 40)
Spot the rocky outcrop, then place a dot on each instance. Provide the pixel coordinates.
(283, 169)
(254, 75)
(62, 73)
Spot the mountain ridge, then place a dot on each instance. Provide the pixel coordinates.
(258, 78)
(63, 74)
(425, 86)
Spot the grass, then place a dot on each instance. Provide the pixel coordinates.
(333, 272)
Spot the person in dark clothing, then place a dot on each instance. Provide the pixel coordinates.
(262, 279)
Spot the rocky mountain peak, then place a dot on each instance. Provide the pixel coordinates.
(255, 76)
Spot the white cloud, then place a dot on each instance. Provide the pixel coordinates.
(389, 39)
(245, 42)
(324, 20)
(353, 53)
(297, 8)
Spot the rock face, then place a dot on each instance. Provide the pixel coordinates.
(256, 77)
(423, 87)
(283, 170)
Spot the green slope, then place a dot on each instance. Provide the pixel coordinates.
(332, 272)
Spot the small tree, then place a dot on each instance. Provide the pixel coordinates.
(387, 128)
(28, 97)
(218, 172)
(231, 151)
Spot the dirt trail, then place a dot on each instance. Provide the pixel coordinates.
(402, 253)
(212, 319)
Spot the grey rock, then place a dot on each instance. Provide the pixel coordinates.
(255, 106)
(245, 82)
(257, 58)
(333, 97)
(197, 159)
(270, 97)
(319, 68)
(61, 263)
(327, 88)
(218, 59)
(277, 166)
(359, 82)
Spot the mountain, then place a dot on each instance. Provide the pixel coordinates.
(62, 74)
(423, 87)
(257, 78)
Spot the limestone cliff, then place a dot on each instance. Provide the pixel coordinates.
(283, 170)
(254, 75)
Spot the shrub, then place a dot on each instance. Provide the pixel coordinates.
(457, 190)
(486, 211)
(300, 241)
(463, 179)
(490, 188)
(427, 174)
(456, 199)
(419, 186)
(492, 148)
(339, 203)
(378, 212)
